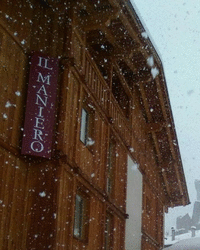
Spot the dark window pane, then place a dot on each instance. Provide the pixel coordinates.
(84, 126)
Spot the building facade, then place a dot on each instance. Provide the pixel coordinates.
(112, 117)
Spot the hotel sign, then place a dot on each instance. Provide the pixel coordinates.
(40, 106)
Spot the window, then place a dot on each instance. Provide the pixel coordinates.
(108, 232)
(111, 166)
(87, 126)
(84, 126)
(81, 217)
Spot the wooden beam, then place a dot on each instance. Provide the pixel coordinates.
(126, 58)
(146, 105)
(84, 4)
(102, 21)
(178, 178)
(123, 80)
(97, 20)
(161, 92)
(119, 51)
(181, 198)
(166, 182)
(144, 98)
(154, 127)
(134, 33)
(127, 24)
(157, 147)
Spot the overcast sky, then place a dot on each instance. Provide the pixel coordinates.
(174, 27)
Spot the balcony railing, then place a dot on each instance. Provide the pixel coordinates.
(96, 82)
(119, 120)
(102, 92)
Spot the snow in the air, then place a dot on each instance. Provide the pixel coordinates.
(42, 194)
(5, 116)
(150, 61)
(154, 72)
(144, 35)
(17, 93)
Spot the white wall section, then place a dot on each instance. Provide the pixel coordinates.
(133, 207)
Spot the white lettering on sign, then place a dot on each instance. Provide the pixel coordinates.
(37, 146)
(40, 106)
(40, 111)
(42, 89)
(41, 100)
(43, 78)
(43, 62)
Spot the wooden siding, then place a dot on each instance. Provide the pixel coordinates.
(120, 177)
(118, 235)
(96, 223)
(13, 198)
(68, 113)
(65, 210)
(41, 204)
(13, 64)
(101, 149)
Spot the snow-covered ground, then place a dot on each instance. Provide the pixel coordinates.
(187, 244)
(186, 236)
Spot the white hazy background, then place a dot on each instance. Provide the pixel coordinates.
(174, 27)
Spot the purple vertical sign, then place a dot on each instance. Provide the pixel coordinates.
(40, 106)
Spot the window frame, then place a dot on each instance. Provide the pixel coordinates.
(111, 166)
(87, 125)
(81, 218)
(84, 125)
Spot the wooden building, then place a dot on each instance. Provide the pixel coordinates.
(112, 105)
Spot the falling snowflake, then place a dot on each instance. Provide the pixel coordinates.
(17, 93)
(134, 167)
(23, 42)
(5, 116)
(144, 34)
(90, 142)
(154, 72)
(8, 104)
(42, 194)
(92, 107)
(150, 61)
(131, 149)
